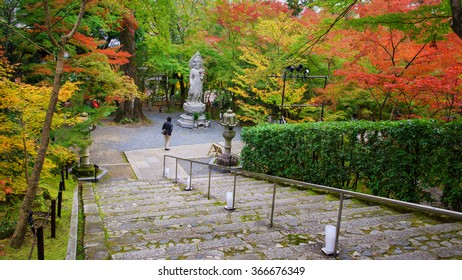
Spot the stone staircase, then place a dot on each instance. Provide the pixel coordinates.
(127, 220)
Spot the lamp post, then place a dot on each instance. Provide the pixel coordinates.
(299, 72)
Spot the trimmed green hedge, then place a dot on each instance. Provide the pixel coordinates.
(400, 160)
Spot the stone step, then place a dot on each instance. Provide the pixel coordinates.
(230, 222)
(411, 242)
(185, 250)
(145, 191)
(164, 186)
(151, 199)
(163, 246)
(160, 220)
(167, 208)
(192, 228)
(113, 201)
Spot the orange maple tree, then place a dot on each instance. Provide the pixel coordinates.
(390, 73)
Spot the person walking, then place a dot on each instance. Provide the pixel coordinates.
(167, 129)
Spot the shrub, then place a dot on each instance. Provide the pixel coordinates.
(399, 160)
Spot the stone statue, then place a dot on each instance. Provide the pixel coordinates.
(193, 107)
(196, 77)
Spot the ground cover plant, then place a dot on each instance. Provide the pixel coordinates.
(55, 248)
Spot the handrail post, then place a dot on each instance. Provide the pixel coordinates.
(60, 199)
(163, 168)
(190, 175)
(339, 219)
(190, 169)
(189, 188)
(53, 218)
(40, 244)
(96, 174)
(176, 170)
(210, 179)
(62, 177)
(234, 188)
(272, 205)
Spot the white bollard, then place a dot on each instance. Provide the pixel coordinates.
(188, 184)
(229, 201)
(329, 244)
(167, 172)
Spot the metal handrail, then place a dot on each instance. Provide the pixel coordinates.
(341, 192)
(200, 162)
(231, 169)
(383, 200)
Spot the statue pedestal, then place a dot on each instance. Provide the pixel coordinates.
(187, 119)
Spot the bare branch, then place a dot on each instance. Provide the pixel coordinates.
(308, 47)
(67, 37)
(78, 21)
(49, 31)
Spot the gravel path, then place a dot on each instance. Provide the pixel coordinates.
(136, 137)
(111, 141)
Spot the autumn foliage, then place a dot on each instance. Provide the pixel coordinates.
(401, 77)
(91, 72)
(22, 110)
(386, 60)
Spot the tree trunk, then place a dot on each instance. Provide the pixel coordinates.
(125, 110)
(20, 231)
(182, 90)
(456, 23)
(130, 109)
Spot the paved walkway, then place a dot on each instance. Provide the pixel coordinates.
(147, 164)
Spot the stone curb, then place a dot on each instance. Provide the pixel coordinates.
(95, 248)
(73, 235)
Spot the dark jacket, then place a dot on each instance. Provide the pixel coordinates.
(168, 126)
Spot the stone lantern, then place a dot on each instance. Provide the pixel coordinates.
(85, 152)
(85, 170)
(228, 121)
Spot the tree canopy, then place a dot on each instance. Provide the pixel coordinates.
(383, 59)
